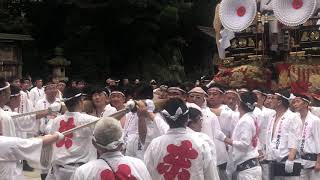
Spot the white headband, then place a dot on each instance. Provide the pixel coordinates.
(117, 92)
(304, 99)
(217, 89)
(176, 115)
(233, 92)
(111, 146)
(282, 96)
(75, 96)
(5, 87)
(176, 88)
(258, 91)
(15, 95)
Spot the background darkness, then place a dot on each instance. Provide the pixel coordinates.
(119, 38)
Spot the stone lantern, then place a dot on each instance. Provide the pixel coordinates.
(59, 64)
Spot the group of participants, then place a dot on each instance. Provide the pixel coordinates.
(209, 133)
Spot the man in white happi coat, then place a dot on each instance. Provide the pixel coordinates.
(283, 134)
(23, 124)
(265, 115)
(37, 92)
(245, 141)
(309, 146)
(111, 164)
(211, 127)
(76, 148)
(14, 150)
(179, 154)
(101, 102)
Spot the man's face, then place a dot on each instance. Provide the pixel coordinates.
(15, 101)
(100, 99)
(268, 102)
(24, 86)
(81, 85)
(61, 86)
(298, 104)
(51, 90)
(196, 98)
(275, 102)
(55, 80)
(260, 97)
(117, 99)
(175, 94)
(16, 82)
(214, 97)
(231, 100)
(39, 83)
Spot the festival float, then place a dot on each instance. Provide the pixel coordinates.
(269, 43)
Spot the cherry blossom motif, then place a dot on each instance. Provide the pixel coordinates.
(64, 126)
(241, 11)
(177, 162)
(254, 140)
(297, 4)
(123, 173)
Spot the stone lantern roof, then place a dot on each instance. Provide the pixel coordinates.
(58, 60)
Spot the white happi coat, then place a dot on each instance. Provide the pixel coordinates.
(35, 95)
(76, 147)
(180, 155)
(211, 127)
(227, 120)
(8, 127)
(130, 129)
(286, 135)
(266, 116)
(23, 124)
(13, 150)
(122, 167)
(310, 138)
(41, 105)
(245, 146)
(25, 104)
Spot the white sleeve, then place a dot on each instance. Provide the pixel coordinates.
(78, 174)
(161, 124)
(28, 149)
(149, 160)
(143, 171)
(26, 123)
(32, 97)
(316, 135)
(209, 166)
(244, 137)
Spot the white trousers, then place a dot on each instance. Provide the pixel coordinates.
(222, 174)
(265, 171)
(254, 173)
(309, 174)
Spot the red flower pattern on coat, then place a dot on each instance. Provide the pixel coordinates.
(64, 126)
(177, 162)
(123, 173)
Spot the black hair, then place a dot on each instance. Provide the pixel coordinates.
(171, 107)
(222, 88)
(144, 91)
(193, 114)
(14, 89)
(247, 101)
(99, 89)
(13, 78)
(285, 93)
(70, 92)
(302, 96)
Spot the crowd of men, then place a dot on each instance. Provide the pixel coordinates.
(201, 131)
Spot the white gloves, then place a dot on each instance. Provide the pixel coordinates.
(61, 136)
(130, 105)
(289, 166)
